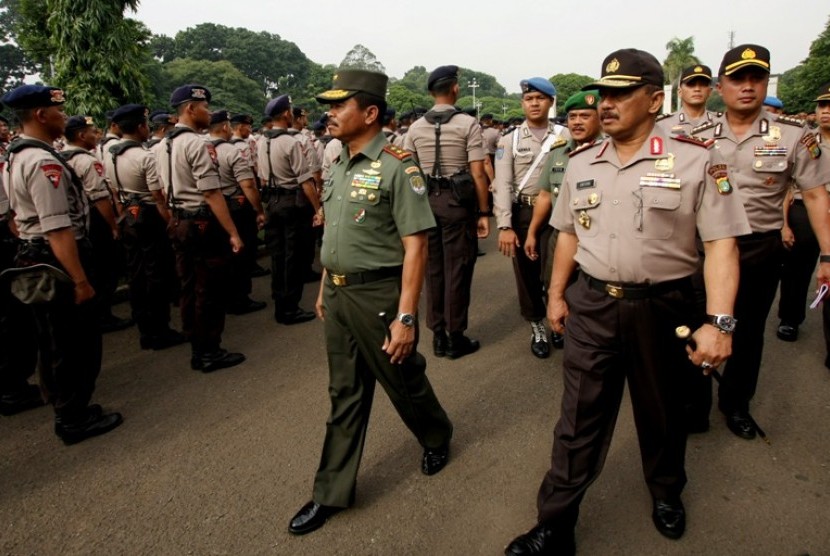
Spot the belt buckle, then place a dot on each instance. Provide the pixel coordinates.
(338, 280)
(614, 291)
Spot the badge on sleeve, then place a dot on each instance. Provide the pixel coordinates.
(499, 153)
(212, 152)
(418, 185)
(99, 168)
(720, 174)
(53, 172)
(809, 141)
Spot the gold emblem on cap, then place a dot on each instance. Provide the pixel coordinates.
(198, 93)
(612, 66)
(57, 95)
(89, 121)
(698, 69)
(590, 100)
(748, 54)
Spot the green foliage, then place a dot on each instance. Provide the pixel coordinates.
(488, 86)
(15, 62)
(360, 57)
(715, 103)
(681, 55)
(797, 87)
(229, 87)
(401, 98)
(567, 84)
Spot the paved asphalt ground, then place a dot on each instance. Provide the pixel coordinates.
(217, 464)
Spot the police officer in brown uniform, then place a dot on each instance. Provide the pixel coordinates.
(764, 154)
(292, 205)
(112, 134)
(447, 145)
(161, 123)
(203, 233)
(823, 138)
(242, 197)
(131, 168)
(52, 215)
(107, 255)
(374, 253)
(627, 213)
(694, 90)
(520, 157)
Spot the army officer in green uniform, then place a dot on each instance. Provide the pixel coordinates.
(374, 254)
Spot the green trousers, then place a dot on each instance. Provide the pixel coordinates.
(354, 337)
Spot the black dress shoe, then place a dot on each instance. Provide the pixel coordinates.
(787, 332)
(215, 360)
(539, 345)
(542, 540)
(258, 271)
(434, 460)
(669, 517)
(311, 517)
(439, 343)
(740, 424)
(298, 316)
(246, 306)
(22, 400)
(164, 340)
(459, 345)
(93, 423)
(111, 323)
(557, 340)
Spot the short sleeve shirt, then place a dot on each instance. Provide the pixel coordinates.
(90, 170)
(282, 157)
(636, 222)
(461, 142)
(133, 171)
(370, 202)
(193, 168)
(232, 167)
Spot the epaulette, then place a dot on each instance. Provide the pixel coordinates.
(586, 146)
(561, 142)
(664, 116)
(706, 143)
(790, 120)
(702, 127)
(397, 152)
(508, 131)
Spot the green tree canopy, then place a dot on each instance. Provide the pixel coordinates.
(681, 55)
(229, 87)
(568, 84)
(360, 57)
(797, 87)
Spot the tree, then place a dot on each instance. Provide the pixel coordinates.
(360, 57)
(402, 98)
(567, 84)
(230, 88)
(797, 87)
(98, 54)
(681, 55)
(14, 63)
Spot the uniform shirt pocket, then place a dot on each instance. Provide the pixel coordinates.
(657, 212)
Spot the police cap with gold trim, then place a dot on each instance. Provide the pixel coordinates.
(348, 82)
(823, 93)
(698, 71)
(745, 55)
(628, 67)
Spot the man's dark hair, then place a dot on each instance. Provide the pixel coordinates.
(365, 100)
(129, 126)
(72, 134)
(24, 115)
(443, 86)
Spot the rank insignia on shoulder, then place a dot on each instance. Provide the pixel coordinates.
(694, 140)
(790, 120)
(585, 147)
(559, 143)
(397, 152)
(720, 174)
(810, 143)
(702, 127)
(664, 116)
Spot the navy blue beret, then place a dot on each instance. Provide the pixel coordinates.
(278, 105)
(242, 119)
(159, 116)
(130, 113)
(219, 116)
(441, 73)
(187, 93)
(538, 84)
(78, 122)
(33, 96)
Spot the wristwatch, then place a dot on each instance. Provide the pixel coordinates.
(406, 319)
(724, 323)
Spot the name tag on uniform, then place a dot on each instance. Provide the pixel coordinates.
(587, 184)
(771, 150)
(366, 182)
(653, 179)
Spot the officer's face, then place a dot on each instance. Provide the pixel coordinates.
(347, 120)
(744, 90)
(4, 131)
(695, 92)
(536, 106)
(624, 113)
(200, 114)
(823, 115)
(53, 119)
(583, 124)
(243, 130)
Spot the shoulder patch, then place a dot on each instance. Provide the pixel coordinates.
(664, 116)
(397, 152)
(559, 143)
(99, 168)
(53, 172)
(702, 127)
(585, 147)
(694, 140)
(790, 120)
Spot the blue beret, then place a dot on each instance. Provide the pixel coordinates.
(278, 105)
(242, 119)
(159, 117)
(186, 93)
(219, 116)
(130, 113)
(33, 96)
(538, 84)
(78, 122)
(774, 102)
(441, 73)
(318, 126)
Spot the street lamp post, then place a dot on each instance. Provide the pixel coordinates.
(474, 85)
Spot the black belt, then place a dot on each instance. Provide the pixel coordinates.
(760, 235)
(627, 290)
(341, 280)
(186, 214)
(526, 200)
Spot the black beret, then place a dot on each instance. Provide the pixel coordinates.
(219, 117)
(440, 74)
(186, 93)
(130, 113)
(74, 123)
(159, 117)
(487, 116)
(242, 119)
(278, 105)
(33, 96)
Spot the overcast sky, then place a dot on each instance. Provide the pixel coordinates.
(510, 40)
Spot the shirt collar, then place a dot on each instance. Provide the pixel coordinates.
(370, 150)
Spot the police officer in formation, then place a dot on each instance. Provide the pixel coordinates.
(374, 256)
(519, 159)
(764, 154)
(633, 289)
(204, 236)
(447, 145)
(292, 207)
(51, 214)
